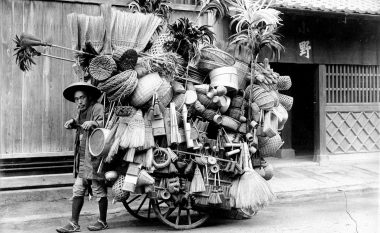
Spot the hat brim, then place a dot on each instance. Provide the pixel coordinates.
(89, 89)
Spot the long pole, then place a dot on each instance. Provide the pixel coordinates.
(60, 58)
(73, 50)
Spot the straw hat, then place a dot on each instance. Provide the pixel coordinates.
(91, 90)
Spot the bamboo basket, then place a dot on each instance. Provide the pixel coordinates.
(270, 146)
(179, 101)
(129, 85)
(158, 44)
(242, 72)
(207, 102)
(120, 195)
(207, 66)
(224, 76)
(234, 113)
(284, 83)
(230, 123)
(217, 55)
(286, 101)
(146, 87)
(102, 67)
(118, 53)
(237, 102)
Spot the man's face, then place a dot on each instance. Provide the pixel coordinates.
(81, 100)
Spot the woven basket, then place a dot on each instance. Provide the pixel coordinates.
(224, 76)
(207, 66)
(113, 84)
(102, 67)
(117, 53)
(237, 102)
(286, 101)
(145, 89)
(209, 114)
(199, 107)
(275, 97)
(217, 55)
(207, 102)
(254, 93)
(270, 146)
(243, 128)
(165, 92)
(284, 83)
(120, 195)
(242, 72)
(260, 96)
(129, 85)
(158, 44)
(128, 60)
(234, 113)
(179, 101)
(230, 123)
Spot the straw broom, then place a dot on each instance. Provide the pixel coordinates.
(250, 191)
(197, 183)
(121, 127)
(149, 139)
(134, 135)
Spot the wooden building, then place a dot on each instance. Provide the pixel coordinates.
(332, 54)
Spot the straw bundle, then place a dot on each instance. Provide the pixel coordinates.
(284, 83)
(286, 101)
(134, 135)
(96, 32)
(250, 191)
(102, 67)
(130, 155)
(132, 30)
(149, 139)
(121, 127)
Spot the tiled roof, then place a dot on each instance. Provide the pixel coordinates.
(342, 6)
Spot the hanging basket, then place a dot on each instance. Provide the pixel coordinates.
(270, 146)
(207, 102)
(102, 67)
(284, 83)
(286, 101)
(120, 195)
(230, 123)
(129, 85)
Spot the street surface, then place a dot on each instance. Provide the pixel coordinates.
(313, 216)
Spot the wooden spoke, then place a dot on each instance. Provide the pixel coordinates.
(188, 216)
(178, 216)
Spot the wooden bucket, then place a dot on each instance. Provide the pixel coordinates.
(99, 142)
(225, 76)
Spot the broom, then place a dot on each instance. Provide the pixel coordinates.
(197, 183)
(134, 135)
(250, 191)
(121, 127)
(129, 156)
(214, 197)
(149, 139)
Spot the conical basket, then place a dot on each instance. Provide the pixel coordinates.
(119, 194)
(286, 101)
(284, 83)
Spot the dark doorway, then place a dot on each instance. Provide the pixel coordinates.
(301, 116)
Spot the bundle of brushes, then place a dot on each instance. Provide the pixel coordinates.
(134, 135)
(149, 139)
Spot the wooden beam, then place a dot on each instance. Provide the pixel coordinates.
(36, 181)
(353, 107)
(35, 155)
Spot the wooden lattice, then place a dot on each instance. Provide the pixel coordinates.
(351, 132)
(352, 84)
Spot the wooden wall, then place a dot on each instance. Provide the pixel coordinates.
(32, 109)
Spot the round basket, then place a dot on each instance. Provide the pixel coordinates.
(199, 107)
(243, 128)
(165, 92)
(265, 101)
(271, 146)
(102, 67)
(254, 93)
(275, 97)
(284, 83)
(207, 102)
(158, 44)
(224, 76)
(242, 72)
(286, 101)
(209, 114)
(217, 55)
(98, 142)
(207, 66)
(128, 60)
(120, 195)
(117, 53)
(145, 89)
(230, 123)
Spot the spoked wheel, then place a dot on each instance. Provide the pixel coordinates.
(179, 216)
(140, 206)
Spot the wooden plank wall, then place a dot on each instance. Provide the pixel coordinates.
(32, 109)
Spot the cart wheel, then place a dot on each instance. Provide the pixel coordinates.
(140, 206)
(179, 216)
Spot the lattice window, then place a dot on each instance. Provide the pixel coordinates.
(352, 84)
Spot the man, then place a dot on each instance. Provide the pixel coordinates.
(90, 116)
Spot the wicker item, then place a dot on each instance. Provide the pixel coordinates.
(118, 52)
(275, 98)
(114, 83)
(124, 111)
(286, 101)
(270, 146)
(145, 89)
(102, 67)
(209, 114)
(129, 85)
(158, 44)
(224, 76)
(261, 97)
(242, 72)
(179, 101)
(234, 113)
(207, 102)
(128, 60)
(207, 66)
(237, 102)
(284, 83)
(119, 194)
(243, 128)
(165, 92)
(99, 143)
(230, 123)
(199, 107)
(217, 55)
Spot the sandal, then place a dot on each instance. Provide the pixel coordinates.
(99, 225)
(70, 227)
